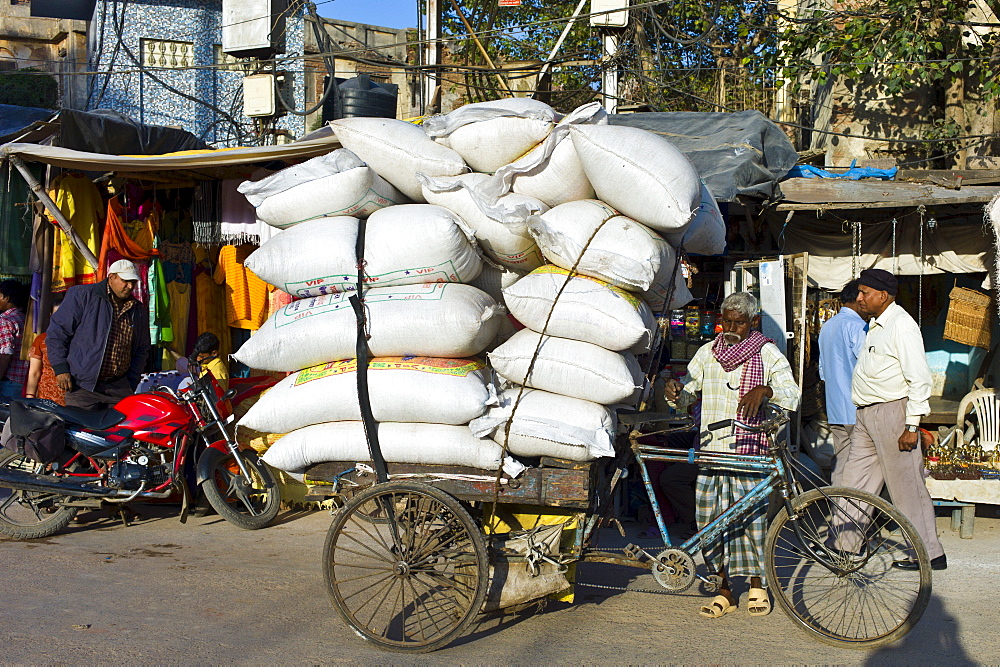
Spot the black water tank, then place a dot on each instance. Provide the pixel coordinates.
(360, 96)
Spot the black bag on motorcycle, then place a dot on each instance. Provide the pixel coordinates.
(37, 435)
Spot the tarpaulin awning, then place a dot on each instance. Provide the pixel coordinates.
(15, 120)
(959, 248)
(742, 153)
(190, 160)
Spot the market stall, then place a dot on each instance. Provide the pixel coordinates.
(930, 236)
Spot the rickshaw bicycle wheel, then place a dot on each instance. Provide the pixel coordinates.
(867, 602)
(413, 581)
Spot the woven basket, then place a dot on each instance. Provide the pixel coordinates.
(968, 319)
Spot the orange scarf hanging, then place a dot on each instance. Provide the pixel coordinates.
(117, 238)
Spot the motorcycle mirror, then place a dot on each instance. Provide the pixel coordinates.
(229, 394)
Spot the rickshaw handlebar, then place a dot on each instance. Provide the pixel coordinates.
(776, 417)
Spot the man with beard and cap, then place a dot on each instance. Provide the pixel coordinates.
(737, 374)
(98, 340)
(840, 343)
(890, 387)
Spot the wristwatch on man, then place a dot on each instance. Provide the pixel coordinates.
(911, 428)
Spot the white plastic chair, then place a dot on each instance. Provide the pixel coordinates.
(984, 406)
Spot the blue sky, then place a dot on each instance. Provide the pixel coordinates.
(386, 13)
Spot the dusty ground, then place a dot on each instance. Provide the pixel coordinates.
(207, 592)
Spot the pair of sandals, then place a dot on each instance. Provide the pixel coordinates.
(758, 604)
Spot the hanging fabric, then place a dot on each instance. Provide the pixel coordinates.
(81, 203)
(205, 214)
(210, 298)
(160, 329)
(131, 240)
(246, 294)
(238, 217)
(16, 214)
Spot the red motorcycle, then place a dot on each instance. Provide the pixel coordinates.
(137, 451)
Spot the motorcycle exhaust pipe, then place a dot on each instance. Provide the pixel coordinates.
(26, 481)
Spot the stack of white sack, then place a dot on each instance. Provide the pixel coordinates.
(546, 194)
(621, 243)
(425, 328)
(584, 364)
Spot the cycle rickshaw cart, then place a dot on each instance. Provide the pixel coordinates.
(413, 555)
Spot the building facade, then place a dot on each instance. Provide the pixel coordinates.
(57, 46)
(161, 62)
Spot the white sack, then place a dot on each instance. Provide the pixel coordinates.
(656, 295)
(569, 367)
(335, 184)
(552, 171)
(447, 320)
(488, 135)
(398, 151)
(588, 309)
(404, 245)
(505, 238)
(706, 235)
(639, 173)
(441, 444)
(493, 281)
(623, 253)
(547, 424)
(402, 389)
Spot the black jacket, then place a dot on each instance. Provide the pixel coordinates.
(79, 330)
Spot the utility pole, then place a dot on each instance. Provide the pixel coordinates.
(610, 17)
(432, 58)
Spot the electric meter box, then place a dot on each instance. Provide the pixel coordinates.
(253, 28)
(259, 96)
(617, 19)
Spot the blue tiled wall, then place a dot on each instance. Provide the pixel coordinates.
(143, 94)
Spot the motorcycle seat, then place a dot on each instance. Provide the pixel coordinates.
(92, 420)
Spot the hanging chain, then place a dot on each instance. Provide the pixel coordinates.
(920, 280)
(895, 261)
(856, 247)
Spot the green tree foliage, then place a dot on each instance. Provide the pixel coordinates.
(683, 55)
(904, 43)
(29, 87)
(518, 34)
(693, 55)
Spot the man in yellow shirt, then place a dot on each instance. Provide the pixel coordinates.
(890, 387)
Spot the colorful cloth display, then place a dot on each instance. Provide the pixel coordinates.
(210, 298)
(81, 204)
(133, 240)
(246, 294)
(15, 226)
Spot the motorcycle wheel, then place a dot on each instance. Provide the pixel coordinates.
(29, 515)
(250, 506)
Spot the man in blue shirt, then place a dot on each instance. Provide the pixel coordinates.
(840, 342)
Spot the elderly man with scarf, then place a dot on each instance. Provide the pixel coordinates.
(737, 374)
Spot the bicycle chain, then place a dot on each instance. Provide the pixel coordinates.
(622, 588)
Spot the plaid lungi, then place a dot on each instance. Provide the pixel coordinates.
(739, 549)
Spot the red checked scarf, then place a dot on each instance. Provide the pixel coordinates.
(746, 353)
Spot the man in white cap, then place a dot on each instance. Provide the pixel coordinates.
(98, 340)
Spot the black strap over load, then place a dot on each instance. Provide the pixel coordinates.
(363, 353)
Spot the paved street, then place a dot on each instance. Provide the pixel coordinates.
(207, 592)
